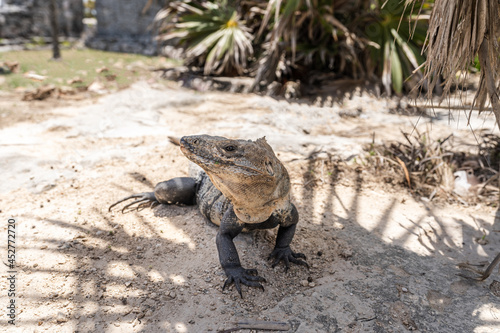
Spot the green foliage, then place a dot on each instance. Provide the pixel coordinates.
(396, 37)
(352, 38)
(89, 8)
(307, 33)
(213, 33)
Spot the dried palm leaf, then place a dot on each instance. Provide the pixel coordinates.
(458, 31)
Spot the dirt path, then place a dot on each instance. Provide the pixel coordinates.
(381, 260)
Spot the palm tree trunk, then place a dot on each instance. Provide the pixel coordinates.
(56, 53)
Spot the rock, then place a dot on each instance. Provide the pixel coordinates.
(43, 187)
(61, 318)
(97, 87)
(40, 93)
(274, 89)
(495, 288)
(292, 90)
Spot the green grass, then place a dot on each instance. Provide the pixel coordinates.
(84, 64)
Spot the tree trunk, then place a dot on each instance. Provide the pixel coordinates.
(54, 22)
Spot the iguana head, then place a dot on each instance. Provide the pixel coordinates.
(247, 173)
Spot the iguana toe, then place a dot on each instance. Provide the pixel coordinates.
(142, 200)
(240, 275)
(286, 255)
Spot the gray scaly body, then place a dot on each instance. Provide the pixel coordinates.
(243, 186)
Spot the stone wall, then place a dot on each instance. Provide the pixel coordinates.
(15, 22)
(29, 18)
(121, 26)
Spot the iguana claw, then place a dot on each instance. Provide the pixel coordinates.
(146, 199)
(240, 275)
(287, 255)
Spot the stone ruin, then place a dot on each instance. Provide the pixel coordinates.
(24, 19)
(125, 26)
(122, 25)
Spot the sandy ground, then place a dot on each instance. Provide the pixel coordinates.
(381, 260)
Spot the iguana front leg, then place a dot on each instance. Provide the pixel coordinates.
(286, 231)
(230, 227)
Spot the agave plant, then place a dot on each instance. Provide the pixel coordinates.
(212, 31)
(396, 36)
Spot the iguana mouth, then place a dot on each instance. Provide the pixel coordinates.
(197, 155)
(206, 158)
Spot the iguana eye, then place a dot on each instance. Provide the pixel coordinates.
(229, 148)
(269, 167)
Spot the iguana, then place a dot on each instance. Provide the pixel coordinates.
(242, 186)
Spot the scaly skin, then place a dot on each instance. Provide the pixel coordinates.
(243, 186)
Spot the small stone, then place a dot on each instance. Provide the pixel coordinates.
(43, 247)
(128, 283)
(304, 283)
(172, 294)
(338, 225)
(404, 289)
(61, 318)
(312, 284)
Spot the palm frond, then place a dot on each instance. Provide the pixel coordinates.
(458, 32)
(214, 34)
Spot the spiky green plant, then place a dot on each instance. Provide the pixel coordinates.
(306, 32)
(352, 38)
(397, 34)
(213, 32)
